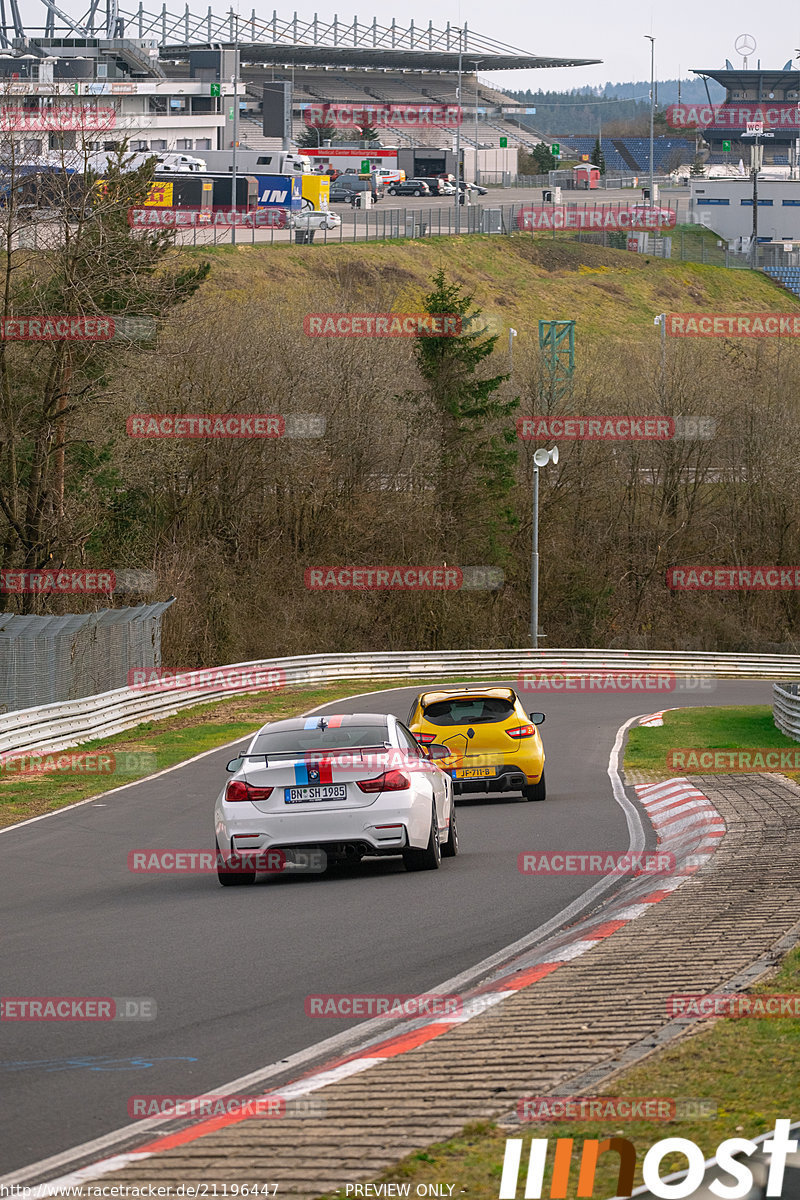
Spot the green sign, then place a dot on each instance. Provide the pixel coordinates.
(503, 143)
(555, 149)
(216, 89)
(726, 147)
(365, 166)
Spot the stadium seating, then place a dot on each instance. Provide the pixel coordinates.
(633, 153)
(788, 276)
(577, 146)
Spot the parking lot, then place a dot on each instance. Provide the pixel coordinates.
(412, 216)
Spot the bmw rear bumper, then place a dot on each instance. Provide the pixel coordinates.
(386, 826)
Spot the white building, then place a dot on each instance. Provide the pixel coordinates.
(726, 206)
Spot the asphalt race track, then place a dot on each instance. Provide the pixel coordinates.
(229, 969)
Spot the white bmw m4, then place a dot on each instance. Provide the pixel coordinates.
(339, 787)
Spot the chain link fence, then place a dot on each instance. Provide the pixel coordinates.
(47, 659)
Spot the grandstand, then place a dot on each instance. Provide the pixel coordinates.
(632, 154)
(788, 277)
(133, 52)
(357, 63)
(771, 96)
(358, 87)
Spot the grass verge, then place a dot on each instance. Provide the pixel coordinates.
(154, 745)
(746, 1070)
(610, 293)
(651, 752)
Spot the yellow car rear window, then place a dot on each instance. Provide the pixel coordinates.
(474, 710)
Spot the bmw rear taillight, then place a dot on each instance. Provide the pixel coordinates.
(237, 789)
(522, 731)
(391, 781)
(425, 738)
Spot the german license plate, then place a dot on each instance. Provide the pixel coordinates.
(306, 795)
(475, 773)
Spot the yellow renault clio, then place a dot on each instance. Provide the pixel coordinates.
(495, 743)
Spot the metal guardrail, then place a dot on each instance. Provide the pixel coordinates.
(58, 726)
(786, 708)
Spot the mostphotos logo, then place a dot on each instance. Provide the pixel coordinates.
(776, 1148)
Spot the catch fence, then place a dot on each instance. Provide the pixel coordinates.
(45, 659)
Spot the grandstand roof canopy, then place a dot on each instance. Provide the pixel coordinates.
(747, 80)
(372, 58)
(338, 43)
(316, 43)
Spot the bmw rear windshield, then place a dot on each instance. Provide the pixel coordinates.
(469, 710)
(283, 741)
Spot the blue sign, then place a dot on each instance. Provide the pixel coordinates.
(280, 191)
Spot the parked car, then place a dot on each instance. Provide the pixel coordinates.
(347, 187)
(340, 194)
(440, 186)
(410, 187)
(306, 224)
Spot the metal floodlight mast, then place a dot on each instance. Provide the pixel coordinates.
(458, 133)
(477, 171)
(540, 459)
(652, 42)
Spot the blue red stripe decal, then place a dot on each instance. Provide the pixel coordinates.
(300, 773)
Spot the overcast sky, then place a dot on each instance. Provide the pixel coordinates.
(687, 34)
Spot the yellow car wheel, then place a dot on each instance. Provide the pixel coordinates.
(536, 791)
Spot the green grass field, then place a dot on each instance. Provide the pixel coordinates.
(649, 750)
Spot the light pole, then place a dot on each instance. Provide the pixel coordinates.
(512, 333)
(540, 459)
(652, 42)
(458, 134)
(477, 168)
(755, 132)
(661, 320)
(754, 238)
(235, 130)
